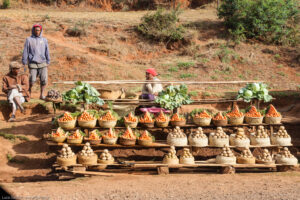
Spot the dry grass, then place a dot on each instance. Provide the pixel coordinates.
(113, 50)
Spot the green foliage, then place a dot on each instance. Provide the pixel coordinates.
(173, 69)
(13, 137)
(79, 29)
(162, 26)
(187, 75)
(224, 53)
(200, 110)
(272, 21)
(193, 93)
(83, 92)
(5, 4)
(254, 91)
(185, 65)
(173, 97)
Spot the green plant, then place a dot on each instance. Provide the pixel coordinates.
(273, 21)
(187, 75)
(173, 97)
(13, 137)
(11, 159)
(276, 56)
(5, 4)
(254, 91)
(241, 76)
(185, 65)
(279, 66)
(297, 74)
(162, 25)
(83, 92)
(214, 77)
(173, 69)
(79, 29)
(206, 94)
(193, 93)
(281, 73)
(224, 53)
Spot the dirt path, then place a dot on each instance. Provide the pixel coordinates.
(183, 186)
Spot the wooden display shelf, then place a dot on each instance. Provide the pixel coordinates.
(103, 169)
(182, 127)
(156, 144)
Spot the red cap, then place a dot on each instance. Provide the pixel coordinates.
(37, 25)
(152, 71)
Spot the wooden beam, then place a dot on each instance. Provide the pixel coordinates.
(162, 82)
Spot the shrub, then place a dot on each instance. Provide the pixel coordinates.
(272, 21)
(79, 29)
(162, 26)
(6, 4)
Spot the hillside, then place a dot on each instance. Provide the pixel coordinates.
(104, 46)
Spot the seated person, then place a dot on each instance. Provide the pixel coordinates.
(150, 90)
(15, 86)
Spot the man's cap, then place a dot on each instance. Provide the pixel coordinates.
(15, 65)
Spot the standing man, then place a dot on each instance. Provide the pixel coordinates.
(15, 86)
(36, 55)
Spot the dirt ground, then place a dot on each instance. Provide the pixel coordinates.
(270, 186)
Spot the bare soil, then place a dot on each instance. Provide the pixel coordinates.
(178, 186)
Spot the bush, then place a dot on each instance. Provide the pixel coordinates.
(162, 26)
(272, 21)
(6, 4)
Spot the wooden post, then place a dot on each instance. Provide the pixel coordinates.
(163, 170)
(227, 170)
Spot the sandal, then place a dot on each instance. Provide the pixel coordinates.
(12, 118)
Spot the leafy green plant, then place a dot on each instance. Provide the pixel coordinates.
(272, 21)
(187, 75)
(254, 91)
(185, 65)
(173, 97)
(173, 69)
(162, 25)
(281, 73)
(83, 92)
(200, 110)
(193, 93)
(13, 137)
(5, 4)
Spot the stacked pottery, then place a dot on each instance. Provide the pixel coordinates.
(218, 139)
(281, 138)
(239, 139)
(106, 158)
(286, 158)
(226, 157)
(67, 157)
(198, 138)
(265, 158)
(260, 137)
(177, 137)
(187, 157)
(170, 157)
(87, 156)
(246, 157)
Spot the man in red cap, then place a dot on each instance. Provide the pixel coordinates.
(150, 90)
(36, 55)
